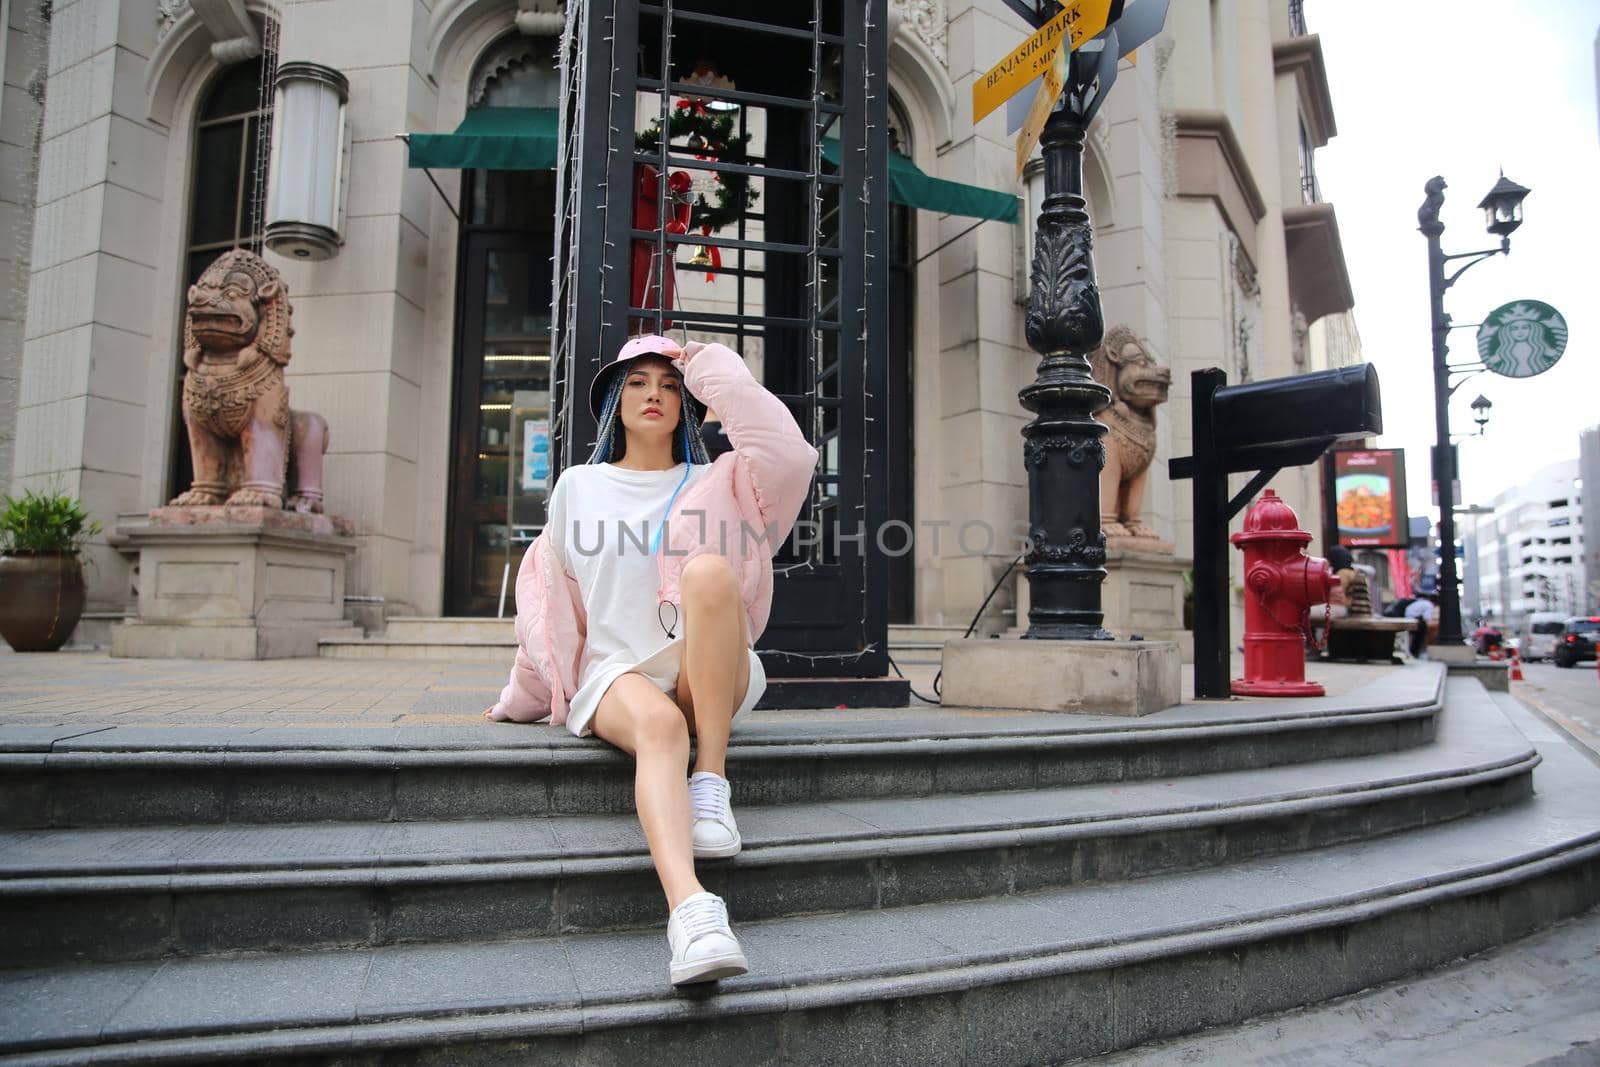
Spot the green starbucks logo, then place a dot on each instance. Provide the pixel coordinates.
(1522, 339)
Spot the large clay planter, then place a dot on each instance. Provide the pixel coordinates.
(41, 598)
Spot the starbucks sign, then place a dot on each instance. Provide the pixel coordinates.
(1522, 338)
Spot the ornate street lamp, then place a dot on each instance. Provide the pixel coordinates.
(1502, 208)
(1480, 411)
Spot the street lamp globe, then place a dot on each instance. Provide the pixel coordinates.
(1480, 411)
(1502, 207)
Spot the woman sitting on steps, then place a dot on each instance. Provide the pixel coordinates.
(598, 653)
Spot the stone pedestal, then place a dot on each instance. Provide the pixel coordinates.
(235, 583)
(1141, 596)
(1086, 677)
(1143, 593)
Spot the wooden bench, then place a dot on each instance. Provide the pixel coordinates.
(1364, 637)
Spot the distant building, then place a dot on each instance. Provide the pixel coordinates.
(1528, 555)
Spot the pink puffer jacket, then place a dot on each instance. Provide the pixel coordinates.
(744, 509)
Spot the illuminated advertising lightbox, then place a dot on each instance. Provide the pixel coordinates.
(1369, 498)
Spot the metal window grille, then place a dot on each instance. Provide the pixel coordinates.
(807, 262)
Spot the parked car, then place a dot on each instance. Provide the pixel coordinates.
(1577, 641)
(1541, 632)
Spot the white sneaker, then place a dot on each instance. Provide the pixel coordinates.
(703, 947)
(716, 835)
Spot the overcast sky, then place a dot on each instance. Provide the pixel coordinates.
(1462, 89)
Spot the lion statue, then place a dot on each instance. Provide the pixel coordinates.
(1138, 386)
(245, 441)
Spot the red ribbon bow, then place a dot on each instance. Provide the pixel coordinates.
(716, 254)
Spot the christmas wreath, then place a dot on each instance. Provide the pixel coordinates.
(708, 135)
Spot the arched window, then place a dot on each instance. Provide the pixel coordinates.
(228, 186)
(230, 163)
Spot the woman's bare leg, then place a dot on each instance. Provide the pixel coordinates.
(643, 721)
(716, 658)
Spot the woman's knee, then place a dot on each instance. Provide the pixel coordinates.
(658, 723)
(709, 576)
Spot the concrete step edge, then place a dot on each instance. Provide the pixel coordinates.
(104, 747)
(298, 872)
(43, 790)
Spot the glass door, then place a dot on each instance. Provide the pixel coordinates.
(502, 472)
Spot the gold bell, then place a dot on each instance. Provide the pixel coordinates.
(701, 257)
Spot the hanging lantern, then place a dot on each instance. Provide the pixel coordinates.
(307, 176)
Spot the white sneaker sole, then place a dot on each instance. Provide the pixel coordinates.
(710, 970)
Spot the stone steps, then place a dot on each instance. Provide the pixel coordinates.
(198, 889)
(443, 630)
(419, 637)
(131, 776)
(917, 887)
(1034, 977)
(390, 648)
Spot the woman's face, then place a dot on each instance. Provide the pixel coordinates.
(652, 398)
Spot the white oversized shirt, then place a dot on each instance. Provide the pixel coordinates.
(602, 521)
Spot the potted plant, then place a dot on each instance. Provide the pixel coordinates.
(41, 577)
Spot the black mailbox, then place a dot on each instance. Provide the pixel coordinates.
(1330, 405)
(1263, 427)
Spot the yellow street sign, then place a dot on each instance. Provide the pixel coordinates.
(1076, 23)
(1055, 75)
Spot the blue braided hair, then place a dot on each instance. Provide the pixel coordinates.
(611, 442)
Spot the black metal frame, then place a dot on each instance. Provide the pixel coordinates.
(829, 616)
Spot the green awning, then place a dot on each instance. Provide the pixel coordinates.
(524, 138)
(491, 138)
(908, 185)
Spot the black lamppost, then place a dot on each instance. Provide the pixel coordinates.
(1502, 208)
(1062, 450)
(1062, 447)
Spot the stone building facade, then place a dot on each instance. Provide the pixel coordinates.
(1213, 243)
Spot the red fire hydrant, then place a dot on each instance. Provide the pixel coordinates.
(1281, 584)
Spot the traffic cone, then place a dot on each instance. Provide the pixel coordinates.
(1494, 654)
(1516, 666)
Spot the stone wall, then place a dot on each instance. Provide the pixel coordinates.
(24, 46)
(83, 406)
(360, 316)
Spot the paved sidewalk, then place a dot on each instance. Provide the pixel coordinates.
(1535, 1001)
(74, 688)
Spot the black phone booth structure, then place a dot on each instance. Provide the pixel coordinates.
(805, 85)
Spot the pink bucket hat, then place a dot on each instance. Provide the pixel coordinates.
(649, 344)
